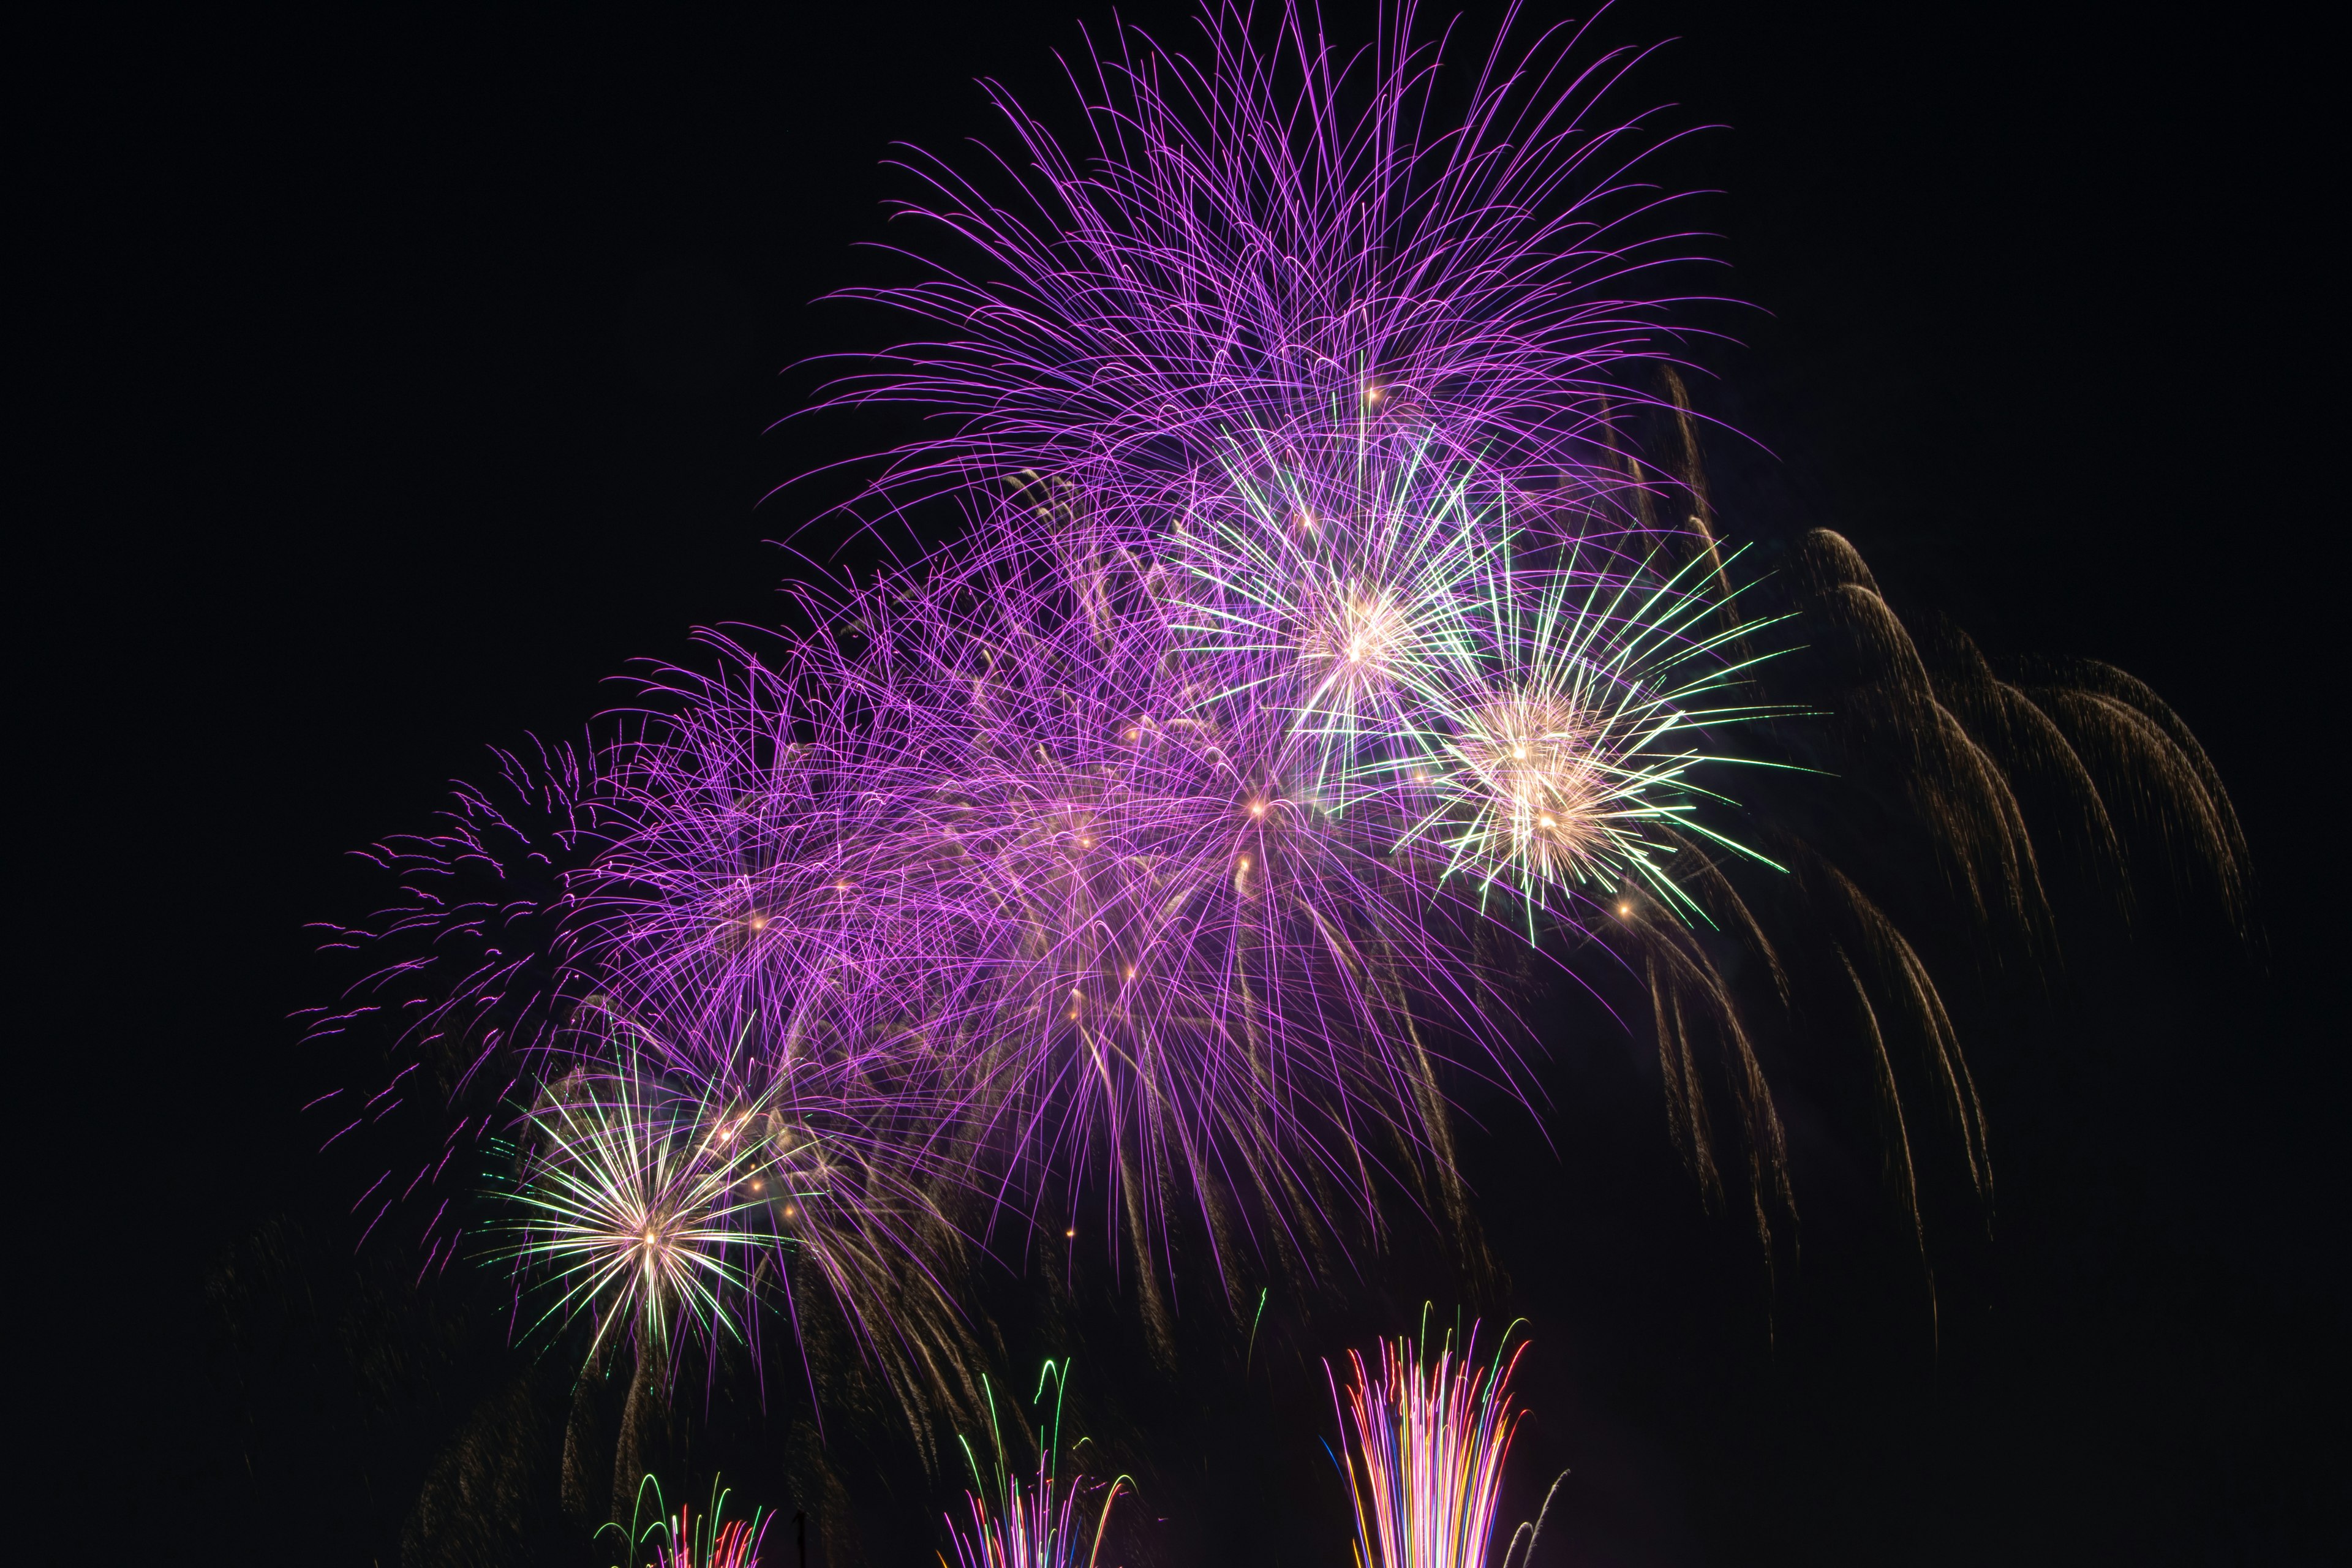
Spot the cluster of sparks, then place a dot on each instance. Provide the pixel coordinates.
(1134, 846)
(680, 1541)
(1031, 1529)
(1036, 1522)
(734, 1544)
(1426, 1438)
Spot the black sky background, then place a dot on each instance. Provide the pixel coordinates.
(408, 380)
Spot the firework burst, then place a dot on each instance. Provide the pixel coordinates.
(635, 1198)
(1560, 759)
(680, 1541)
(1036, 1522)
(1124, 847)
(1426, 1439)
(1334, 583)
(1143, 846)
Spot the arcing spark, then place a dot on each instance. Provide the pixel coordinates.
(1425, 1440)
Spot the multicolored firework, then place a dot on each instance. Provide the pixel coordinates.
(1426, 1437)
(1034, 1524)
(1131, 846)
(1296, 546)
(1142, 853)
(1253, 653)
(681, 1542)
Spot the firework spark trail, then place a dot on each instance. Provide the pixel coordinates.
(1033, 1523)
(681, 1542)
(1426, 1438)
(1032, 1528)
(734, 1544)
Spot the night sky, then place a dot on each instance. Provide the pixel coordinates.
(412, 380)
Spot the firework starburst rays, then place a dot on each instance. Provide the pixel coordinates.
(1560, 758)
(1491, 682)
(1323, 575)
(639, 1201)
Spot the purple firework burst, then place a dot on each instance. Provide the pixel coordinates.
(1136, 846)
(1276, 232)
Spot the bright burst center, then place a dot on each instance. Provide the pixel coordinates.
(652, 1240)
(1360, 632)
(1545, 789)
